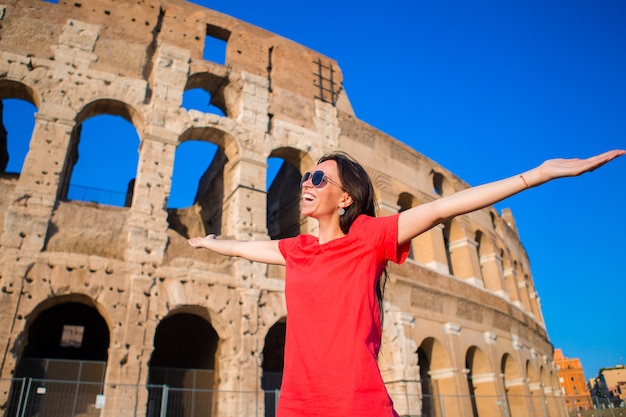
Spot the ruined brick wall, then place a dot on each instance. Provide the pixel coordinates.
(465, 300)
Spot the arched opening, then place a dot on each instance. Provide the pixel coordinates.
(182, 366)
(439, 397)
(514, 387)
(195, 203)
(192, 166)
(63, 364)
(438, 181)
(481, 380)
(205, 92)
(201, 100)
(16, 130)
(103, 158)
(283, 194)
(273, 361)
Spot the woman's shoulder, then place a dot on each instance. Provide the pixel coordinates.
(368, 221)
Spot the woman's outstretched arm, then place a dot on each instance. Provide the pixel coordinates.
(264, 251)
(419, 219)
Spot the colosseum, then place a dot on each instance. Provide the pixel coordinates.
(109, 312)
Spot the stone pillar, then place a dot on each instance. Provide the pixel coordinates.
(464, 258)
(36, 191)
(486, 395)
(535, 303)
(455, 397)
(398, 364)
(243, 373)
(522, 287)
(250, 104)
(147, 222)
(12, 271)
(493, 274)
(130, 350)
(244, 212)
(510, 281)
(429, 249)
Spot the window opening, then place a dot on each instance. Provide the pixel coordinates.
(192, 161)
(283, 199)
(215, 43)
(106, 162)
(437, 183)
(199, 99)
(328, 88)
(18, 122)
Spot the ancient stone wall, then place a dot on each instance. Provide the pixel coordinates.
(463, 308)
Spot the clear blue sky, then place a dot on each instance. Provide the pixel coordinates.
(489, 89)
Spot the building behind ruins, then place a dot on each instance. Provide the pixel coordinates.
(112, 294)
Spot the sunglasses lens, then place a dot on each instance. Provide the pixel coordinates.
(305, 178)
(318, 177)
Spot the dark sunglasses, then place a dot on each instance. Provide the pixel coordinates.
(317, 179)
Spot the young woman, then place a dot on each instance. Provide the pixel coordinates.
(332, 284)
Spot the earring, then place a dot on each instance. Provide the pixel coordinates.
(341, 211)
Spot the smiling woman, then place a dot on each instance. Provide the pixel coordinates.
(338, 375)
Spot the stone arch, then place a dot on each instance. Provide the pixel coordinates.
(19, 90)
(100, 107)
(482, 383)
(184, 357)
(514, 382)
(66, 339)
(214, 85)
(206, 215)
(436, 376)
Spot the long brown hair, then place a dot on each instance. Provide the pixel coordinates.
(357, 183)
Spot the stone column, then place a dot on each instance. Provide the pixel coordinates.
(240, 394)
(429, 249)
(244, 212)
(464, 258)
(455, 396)
(511, 287)
(130, 350)
(398, 364)
(493, 274)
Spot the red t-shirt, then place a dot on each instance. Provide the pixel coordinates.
(333, 323)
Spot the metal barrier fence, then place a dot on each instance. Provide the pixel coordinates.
(28, 397)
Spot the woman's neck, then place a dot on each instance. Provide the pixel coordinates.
(330, 230)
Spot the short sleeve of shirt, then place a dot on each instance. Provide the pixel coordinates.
(381, 232)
